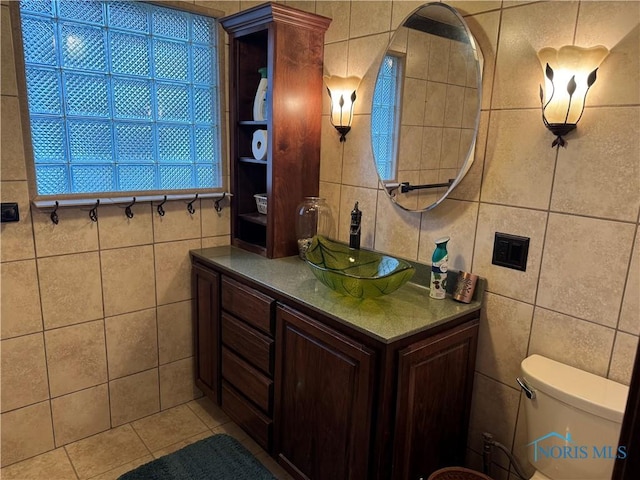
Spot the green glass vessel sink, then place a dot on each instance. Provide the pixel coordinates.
(358, 273)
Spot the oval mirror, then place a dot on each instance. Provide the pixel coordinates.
(426, 107)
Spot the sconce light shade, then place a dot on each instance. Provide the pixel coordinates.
(342, 92)
(569, 74)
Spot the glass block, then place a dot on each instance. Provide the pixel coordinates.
(170, 23)
(43, 87)
(203, 105)
(203, 30)
(170, 60)
(206, 144)
(174, 143)
(86, 95)
(47, 137)
(132, 98)
(42, 7)
(82, 11)
(130, 16)
(83, 48)
(173, 102)
(202, 65)
(173, 177)
(137, 177)
(129, 54)
(90, 141)
(92, 178)
(39, 42)
(134, 142)
(52, 179)
(205, 177)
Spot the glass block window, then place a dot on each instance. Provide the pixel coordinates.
(384, 117)
(122, 96)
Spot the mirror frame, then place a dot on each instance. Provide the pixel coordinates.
(389, 187)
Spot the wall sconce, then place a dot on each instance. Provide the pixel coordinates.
(342, 92)
(570, 72)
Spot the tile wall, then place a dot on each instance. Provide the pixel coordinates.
(90, 312)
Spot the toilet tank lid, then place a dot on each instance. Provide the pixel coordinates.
(583, 390)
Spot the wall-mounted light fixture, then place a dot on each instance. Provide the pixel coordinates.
(570, 72)
(342, 92)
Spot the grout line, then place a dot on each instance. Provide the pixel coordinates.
(73, 467)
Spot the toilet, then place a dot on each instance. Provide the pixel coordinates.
(573, 420)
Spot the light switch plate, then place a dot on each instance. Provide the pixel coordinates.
(510, 251)
(10, 212)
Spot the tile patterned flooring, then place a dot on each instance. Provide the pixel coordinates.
(109, 454)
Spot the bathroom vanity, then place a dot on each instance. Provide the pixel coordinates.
(331, 386)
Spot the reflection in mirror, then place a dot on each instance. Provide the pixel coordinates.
(426, 107)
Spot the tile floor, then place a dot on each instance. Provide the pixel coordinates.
(109, 454)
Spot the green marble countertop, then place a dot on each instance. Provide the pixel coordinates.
(388, 318)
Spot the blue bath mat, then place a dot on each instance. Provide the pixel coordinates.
(219, 457)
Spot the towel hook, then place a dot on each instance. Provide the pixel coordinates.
(93, 213)
(216, 203)
(190, 208)
(54, 214)
(160, 209)
(127, 211)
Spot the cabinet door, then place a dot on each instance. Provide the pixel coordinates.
(206, 292)
(435, 378)
(323, 400)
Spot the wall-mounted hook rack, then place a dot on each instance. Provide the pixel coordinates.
(127, 211)
(160, 208)
(216, 203)
(93, 213)
(54, 214)
(190, 208)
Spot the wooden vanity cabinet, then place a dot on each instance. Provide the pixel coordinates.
(325, 400)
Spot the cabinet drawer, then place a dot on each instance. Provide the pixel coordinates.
(248, 304)
(249, 418)
(255, 386)
(248, 343)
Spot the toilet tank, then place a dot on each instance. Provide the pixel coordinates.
(573, 423)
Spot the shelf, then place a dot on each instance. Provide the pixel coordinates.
(252, 160)
(253, 123)
(254, 218)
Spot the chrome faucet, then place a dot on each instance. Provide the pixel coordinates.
(354, 231)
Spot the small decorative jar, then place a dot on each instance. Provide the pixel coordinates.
(313, 218)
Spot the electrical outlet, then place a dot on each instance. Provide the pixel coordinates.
(510, 251)
(10, 213)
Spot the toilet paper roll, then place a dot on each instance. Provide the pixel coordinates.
(259, 144)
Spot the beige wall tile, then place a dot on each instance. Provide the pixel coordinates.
(454, 219)
(134, 397)
(521, 441)
(397, 231)
(358, 168)
(76, 357)
(331, 155)
(105, 451)
(365, 54)
(80, 414)
(24, 372)
(336, 56)
(331, 193)
(207, 411)
(516, 221)
(518, 172)
(74, 233)
(369, 17)
(20, 303)
(128, 279)
(339, 12)
(26, 432)
(624, 354)
(494, 408)
(414, 96)
(524, 31)
(175, 332)
(132, 344)
(70, 288)
(567, 280)
(571, 341)
(169, 427)
(630, 313)
(116, 230)
(177, 223)
(176, 383)
(173, 270)
(505, 326)
(17, 238)
(8, 75)
(53, 464)
(214, 223)
(592, 180)
(216, 241)
(12, 156)
(469, 186)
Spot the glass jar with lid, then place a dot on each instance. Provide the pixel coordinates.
(313, 218)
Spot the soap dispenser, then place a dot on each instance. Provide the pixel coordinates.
(354, 230)
(439, 267)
